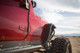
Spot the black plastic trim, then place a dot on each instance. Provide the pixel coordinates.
(46, 33)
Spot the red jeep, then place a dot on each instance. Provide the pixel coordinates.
(22, 30)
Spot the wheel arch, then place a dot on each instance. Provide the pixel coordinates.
(46, 32)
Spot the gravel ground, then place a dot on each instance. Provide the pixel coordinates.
(75, 41)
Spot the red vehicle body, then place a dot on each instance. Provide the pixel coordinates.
(20, 26)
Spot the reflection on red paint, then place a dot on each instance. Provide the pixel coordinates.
(13, 22)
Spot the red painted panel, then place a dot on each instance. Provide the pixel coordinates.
(13, 22)
(11, 17)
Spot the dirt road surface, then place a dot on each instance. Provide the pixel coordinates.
(75, 41)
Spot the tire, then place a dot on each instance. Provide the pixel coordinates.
(61, 45)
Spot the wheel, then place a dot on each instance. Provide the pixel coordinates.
(61, 45)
